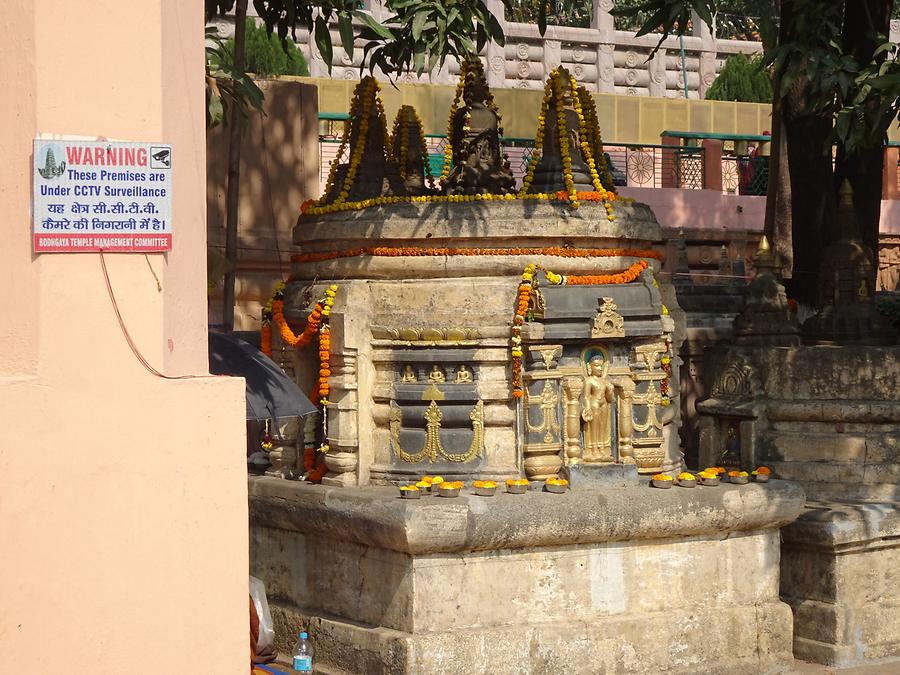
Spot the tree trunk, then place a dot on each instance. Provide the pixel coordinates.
(778, 201)
(809, 160)
(864, 167)
(234, 174)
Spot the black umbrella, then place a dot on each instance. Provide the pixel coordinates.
(270, 392)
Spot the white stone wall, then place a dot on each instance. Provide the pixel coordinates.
(600, 57)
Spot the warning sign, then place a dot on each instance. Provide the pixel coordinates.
(102, 196)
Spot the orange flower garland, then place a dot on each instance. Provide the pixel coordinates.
(526, 288)
(400, 251)
(625, 277)
(316, 325)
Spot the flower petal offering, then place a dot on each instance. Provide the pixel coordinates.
(762, 474)
(410, 492)
(517, 486)
(556, 485)
(662, 480)
(739, 477)
(687, 479)
(485, 488)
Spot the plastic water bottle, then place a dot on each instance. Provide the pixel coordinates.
(303, 654)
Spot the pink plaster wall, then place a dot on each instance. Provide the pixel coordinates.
(123, 507)
(701, 209)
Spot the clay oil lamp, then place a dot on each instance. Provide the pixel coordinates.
(662, 480)
(449, 488)
(708, 478)
(762, 474)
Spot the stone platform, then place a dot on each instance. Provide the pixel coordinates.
(840, 572)
(626, 580)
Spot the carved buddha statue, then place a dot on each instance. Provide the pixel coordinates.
(436, 374)
(408, 374)
(478, 164)
(463, 374)
(596, 412)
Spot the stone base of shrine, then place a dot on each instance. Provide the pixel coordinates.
(840, 572)
(618, 580)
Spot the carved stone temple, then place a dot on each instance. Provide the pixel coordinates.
(479, 336)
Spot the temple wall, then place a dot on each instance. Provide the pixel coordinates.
(124, 498)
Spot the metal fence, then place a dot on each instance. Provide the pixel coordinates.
(631, 165)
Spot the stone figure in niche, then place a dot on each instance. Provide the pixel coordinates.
(478, 165)
(731, 453)
(463, 374)
(408, 374)
(596, 412)
(436, 374)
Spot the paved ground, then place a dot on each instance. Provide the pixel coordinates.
(802, 668)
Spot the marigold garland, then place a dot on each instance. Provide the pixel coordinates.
(316, 326)
(401, 251)
(469, 69)
(526, 287)
(365, 96)
(406, 117)
(559, 85)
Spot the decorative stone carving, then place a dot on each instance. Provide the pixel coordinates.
(408, 374)
(624, 387)
(430, 336)
(407, 151)
(433, 448)
(888, 278)
(608, 323)
(463, 374)
(548, 174)
(547, 403)
(737, 381)
(572, 388)
(436, 374)
(478, 165)
(766, 317)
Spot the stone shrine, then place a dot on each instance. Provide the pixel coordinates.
(480, 334)
(827, 417)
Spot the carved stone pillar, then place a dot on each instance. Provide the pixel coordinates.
(572, 388)
(342, 411)
(707, 54)
(495, 69)
(625, 392)
(657, 69)
(552, 56)
(603, 22)
(542, 448)
(284, 456)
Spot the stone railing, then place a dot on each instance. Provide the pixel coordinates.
(600, 57)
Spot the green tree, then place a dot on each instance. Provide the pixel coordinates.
(266, 56)
(742, 80)
(836, 83)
